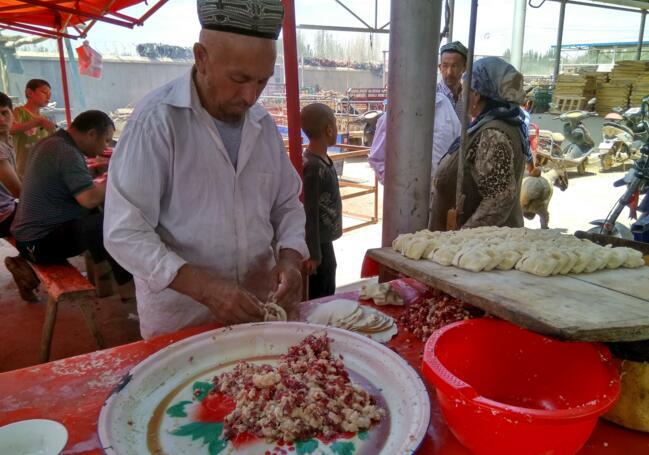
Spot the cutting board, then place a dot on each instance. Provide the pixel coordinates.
(609, 305)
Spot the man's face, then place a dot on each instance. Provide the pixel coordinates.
(6, 119)
(40, 96)
(452, 67)
(95, 143)
(232, 76)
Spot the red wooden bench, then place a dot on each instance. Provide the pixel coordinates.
(64, 282)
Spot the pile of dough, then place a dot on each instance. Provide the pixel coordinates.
(542, 252)
(381, 294)
(349, 315)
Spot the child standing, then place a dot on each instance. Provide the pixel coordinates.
(322, 202)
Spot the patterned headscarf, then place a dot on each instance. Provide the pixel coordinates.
(260, 18)
(494, 78)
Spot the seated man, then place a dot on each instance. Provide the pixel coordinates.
(9, 181)
(56, 217)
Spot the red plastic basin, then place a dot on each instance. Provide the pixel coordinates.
(506, 390)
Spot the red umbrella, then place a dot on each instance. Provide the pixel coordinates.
(67, 19)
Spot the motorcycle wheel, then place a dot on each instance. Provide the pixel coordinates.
(581, 169)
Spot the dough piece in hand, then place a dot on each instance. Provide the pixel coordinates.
(274, 312)
(444, 255)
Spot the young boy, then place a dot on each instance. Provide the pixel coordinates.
(29, 125)
(9, 181)
(322, 202)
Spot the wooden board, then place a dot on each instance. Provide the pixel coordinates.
(610, 305)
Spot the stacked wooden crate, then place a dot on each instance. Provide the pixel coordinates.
(640, 87)
(572, 91)
(626, 83)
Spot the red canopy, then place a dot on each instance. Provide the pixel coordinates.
(67, 18)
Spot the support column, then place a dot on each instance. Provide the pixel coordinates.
(557, 56)
(518, 33)
(64, 81)
(451, 7)
(292, 85)
(414, 42)
(643, 19)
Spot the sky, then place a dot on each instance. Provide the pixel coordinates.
(176, 23)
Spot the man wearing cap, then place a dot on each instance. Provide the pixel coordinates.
(452, 65)
(202, 202)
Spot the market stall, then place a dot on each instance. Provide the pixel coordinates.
(73, 391)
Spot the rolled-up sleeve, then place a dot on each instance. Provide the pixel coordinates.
(137, 178)
(287, 214)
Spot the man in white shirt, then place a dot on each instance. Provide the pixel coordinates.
(202, 202)
(446, 130)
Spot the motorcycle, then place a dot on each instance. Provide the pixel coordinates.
(370, 118)
(637, 183)
(573, 147)
(623, 133)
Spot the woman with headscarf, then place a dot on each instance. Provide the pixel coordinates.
(494, 156)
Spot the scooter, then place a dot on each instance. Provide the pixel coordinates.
(574, 146)
(635, 197)
(369, 129)
(624, 133)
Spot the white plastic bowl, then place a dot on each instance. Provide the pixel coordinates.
(33, 437)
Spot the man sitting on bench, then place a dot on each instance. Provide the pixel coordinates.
(57, 217)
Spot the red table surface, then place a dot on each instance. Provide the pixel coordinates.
(73, 390)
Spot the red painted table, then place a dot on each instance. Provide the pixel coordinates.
(73, 390)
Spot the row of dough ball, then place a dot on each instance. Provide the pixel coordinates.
(539, 252)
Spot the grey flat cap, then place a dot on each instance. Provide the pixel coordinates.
(260, 18)
(455, 46)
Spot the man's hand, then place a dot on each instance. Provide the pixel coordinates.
(231, 304)
(228, 302)
(311, 267)
(287, 276)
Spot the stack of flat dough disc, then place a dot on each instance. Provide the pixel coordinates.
(539, 252)
(349, 315)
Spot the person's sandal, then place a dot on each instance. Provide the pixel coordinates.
(24, 276)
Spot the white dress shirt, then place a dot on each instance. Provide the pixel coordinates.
(174, 197)
(446, 129)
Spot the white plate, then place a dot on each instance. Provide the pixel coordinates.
(33, 437)
(171, 378)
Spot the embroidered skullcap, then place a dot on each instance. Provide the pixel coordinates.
(260, 18)
(496, 79)
(455, 46)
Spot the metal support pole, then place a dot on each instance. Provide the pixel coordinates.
(643, 19)
(292, 86)
(414, 37)
(518, 33)
(453, 220)
(557, 55)
(64, 82)
(76, 80)
(451, 16)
